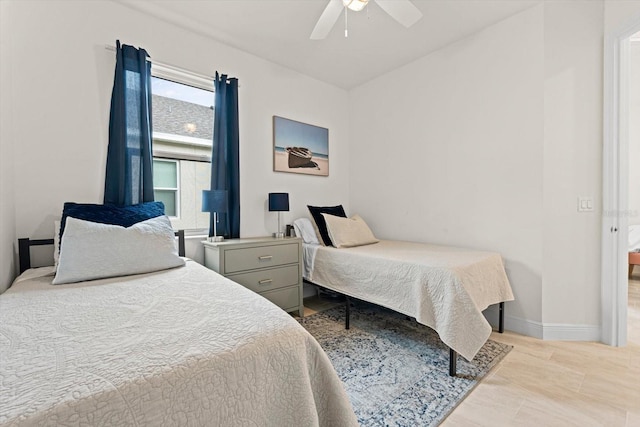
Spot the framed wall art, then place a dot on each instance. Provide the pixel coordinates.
(300, 148)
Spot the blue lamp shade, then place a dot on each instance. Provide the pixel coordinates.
(278, 202)
(214, 201)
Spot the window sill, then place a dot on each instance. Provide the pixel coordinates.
(195, 236)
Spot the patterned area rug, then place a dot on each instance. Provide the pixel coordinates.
(395, 370)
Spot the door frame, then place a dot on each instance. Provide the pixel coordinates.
(615, 176)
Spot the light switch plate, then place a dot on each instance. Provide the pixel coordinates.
(585, 204)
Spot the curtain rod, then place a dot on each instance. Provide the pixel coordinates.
(172, 67)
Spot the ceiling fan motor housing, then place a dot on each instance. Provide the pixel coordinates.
(355, 5)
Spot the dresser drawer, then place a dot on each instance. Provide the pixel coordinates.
(267, 266)
(268, 279)
(286, 298)
(242, 259)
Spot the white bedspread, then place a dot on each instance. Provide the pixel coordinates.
(180, 347)
(444, 288)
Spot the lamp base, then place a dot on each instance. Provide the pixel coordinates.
(216, 238)
(279, 235)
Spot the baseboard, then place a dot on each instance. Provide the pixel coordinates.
(568, 332)
(530, 328)
(552, 331)
(521, 326)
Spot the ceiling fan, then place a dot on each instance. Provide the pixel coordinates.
(402, 11)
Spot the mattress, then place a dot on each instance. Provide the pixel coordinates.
(443, 287)
(184, 346)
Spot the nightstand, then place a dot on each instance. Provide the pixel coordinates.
(268, 266)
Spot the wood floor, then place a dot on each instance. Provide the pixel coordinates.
(555, 383)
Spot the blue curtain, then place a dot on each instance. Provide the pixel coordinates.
(225, 156)
(129, 176)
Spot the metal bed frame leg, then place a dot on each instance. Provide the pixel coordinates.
(453, 355)
(453, 359)
(348, 312)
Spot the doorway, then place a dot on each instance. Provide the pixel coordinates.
(633, 123)
(617, 214)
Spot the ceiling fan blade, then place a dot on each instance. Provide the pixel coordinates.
(402, 11)
(327, 19)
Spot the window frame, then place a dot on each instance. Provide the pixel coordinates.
(182, 76)
(199, 81)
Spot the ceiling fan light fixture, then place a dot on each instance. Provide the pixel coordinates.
(403, 11)
(355, 5)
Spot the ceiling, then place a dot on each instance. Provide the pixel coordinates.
(278, 30)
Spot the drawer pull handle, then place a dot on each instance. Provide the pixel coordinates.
(265, 257)
(265, 281)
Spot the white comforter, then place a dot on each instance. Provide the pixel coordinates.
(444, 288)
(180, 347)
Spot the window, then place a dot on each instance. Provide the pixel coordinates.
(182, 120)
(165, 185)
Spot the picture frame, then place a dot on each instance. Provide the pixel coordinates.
(300, 147)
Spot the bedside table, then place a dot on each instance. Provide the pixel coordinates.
(268, 266)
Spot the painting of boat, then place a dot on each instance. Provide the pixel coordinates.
(300, 157)
(300, 147)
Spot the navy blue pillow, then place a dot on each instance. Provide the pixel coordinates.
(316, 213)
(125, 216)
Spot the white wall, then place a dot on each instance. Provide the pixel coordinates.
(634, 133)
(60, 106)
(448, 150)
(487, 144)
(572, 166)
(7, 180)
(619, 14)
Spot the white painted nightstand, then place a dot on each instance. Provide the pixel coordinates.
(266, 265)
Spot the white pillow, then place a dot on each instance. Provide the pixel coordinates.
(304, 228)
(56, 243)
(91, 250)
(349, 232)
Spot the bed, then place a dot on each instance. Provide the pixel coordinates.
(634, 247)
(181, 346)
(442, 287)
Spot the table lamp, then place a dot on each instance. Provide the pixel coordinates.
(214, 201)
(278, 202)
